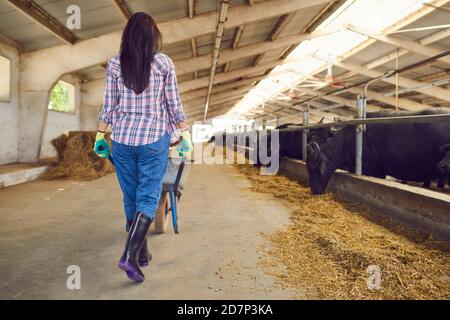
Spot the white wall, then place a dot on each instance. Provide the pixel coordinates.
(58, 123)
(9, 126)
(91, 103)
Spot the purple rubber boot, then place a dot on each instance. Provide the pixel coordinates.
(144, 255)
(135, 240)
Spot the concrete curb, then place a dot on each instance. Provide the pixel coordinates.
(21, 176)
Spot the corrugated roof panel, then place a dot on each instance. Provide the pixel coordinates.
(15, 25)
(240, 63)
(179, 50)
(160, 10)
(437, 17)
(271, 55)
(205, 6)
(204, 50)
(257, 32)
(185, 77)
(97, 17)
(444, 43)
(228, 37)
(203, 73)
(207, 40)
(301, 20)
(371, 53)
(5, 7)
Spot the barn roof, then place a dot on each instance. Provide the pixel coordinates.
(249, 51)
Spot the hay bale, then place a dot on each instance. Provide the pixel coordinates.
(76, 159)
(60, 145)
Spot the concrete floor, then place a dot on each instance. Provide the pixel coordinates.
(47, 226)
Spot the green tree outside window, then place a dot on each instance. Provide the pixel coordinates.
(59, 98)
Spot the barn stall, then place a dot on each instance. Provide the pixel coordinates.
(244, 68)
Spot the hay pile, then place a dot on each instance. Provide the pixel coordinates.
(324, 253)
(76, 160)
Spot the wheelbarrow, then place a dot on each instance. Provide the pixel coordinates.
(173, 182)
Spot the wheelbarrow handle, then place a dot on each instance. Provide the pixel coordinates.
(110, 158)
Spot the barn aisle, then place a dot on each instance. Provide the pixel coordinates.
(50, 225)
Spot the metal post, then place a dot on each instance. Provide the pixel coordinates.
(278, 120)
(305, 133)
(361, 108)
(264, 123)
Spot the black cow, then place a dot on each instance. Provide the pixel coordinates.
(291, 142)
(408, 152)
(443, 167)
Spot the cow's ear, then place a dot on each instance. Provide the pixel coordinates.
(445, 148)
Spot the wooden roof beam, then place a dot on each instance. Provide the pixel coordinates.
(443, 94)
(10, 42)
(336, 99)
(123, 8)
(191, 85)
(191, 8)
(279, 26)
(405, 104)
(220, 97)
(439, 35)
(228, 55)
(220, 88)
(36, 13)
(402, 43)
(236, 39)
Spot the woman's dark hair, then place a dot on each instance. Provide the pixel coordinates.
(141, 39)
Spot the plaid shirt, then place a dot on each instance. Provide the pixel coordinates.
(138, 119)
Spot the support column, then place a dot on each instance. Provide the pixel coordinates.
(305, 134)
(361, 108)
(32, 117)
(278, 120)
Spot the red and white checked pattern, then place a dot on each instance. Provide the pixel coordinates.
(138, 119)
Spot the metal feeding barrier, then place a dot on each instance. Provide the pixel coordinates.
(361, 121)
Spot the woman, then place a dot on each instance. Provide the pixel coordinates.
(143, 107)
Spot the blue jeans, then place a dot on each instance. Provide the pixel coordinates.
(140, 171)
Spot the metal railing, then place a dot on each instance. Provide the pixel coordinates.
(360, 125)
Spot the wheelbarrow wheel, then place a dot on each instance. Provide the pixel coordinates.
(162, 214)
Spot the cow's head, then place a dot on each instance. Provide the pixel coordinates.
(444, 165)
(321, 135)
(320, 168)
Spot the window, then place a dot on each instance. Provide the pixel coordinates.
(5, 79)
(62, 97)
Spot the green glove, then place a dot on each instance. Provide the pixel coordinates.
(101, 147)
(185, 147)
